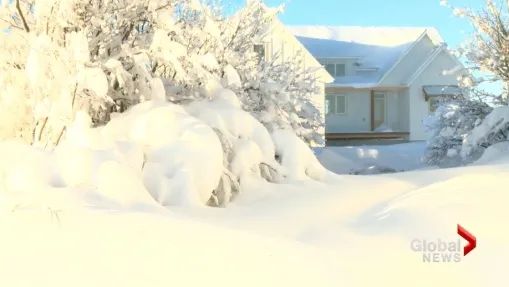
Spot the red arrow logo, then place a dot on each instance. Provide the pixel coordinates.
(472, 241)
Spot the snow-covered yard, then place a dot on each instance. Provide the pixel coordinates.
(372, 159)
(123, 122)
(344, 231)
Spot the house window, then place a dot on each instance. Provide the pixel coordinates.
(331, 69)
(335, 104)
(434, 102)
(260, 50)
(336, 70)
(340, 70)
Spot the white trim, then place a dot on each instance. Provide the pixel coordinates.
(400, 59)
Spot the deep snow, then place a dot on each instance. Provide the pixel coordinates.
(372, 159)
(91, 212)
(345, 231)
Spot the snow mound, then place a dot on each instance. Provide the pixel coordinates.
(492, 130)
(296, 157)
(153, 149)
(246, 143)
(182, 156)
(496, 153)
(372, 159)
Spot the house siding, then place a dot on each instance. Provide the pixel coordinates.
(404, 109)
(357, 119)
(357, 116)
(432, 75)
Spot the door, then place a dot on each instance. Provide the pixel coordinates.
(379, 110)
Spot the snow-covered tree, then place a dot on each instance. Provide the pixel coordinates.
(487, 52)
(277, 92)
(464, 128)
(60, 59)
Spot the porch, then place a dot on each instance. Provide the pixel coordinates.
(367, 115)
(367, 135)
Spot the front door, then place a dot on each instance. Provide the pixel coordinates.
(379, 110)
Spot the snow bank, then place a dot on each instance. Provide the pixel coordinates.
(496, 153)
(493, 129)
(154, 149)
(372, 159)
(248, 142)
(296, 157)
(183, 158)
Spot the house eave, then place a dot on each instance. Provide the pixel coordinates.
(366, 87)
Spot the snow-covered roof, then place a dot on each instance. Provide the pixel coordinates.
(375, 49)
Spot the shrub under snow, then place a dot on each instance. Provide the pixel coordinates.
(494, 129)
(68, 67)
(160, 149)
(449, 125)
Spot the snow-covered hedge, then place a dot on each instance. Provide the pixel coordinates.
(494, 129)
(159, 152)
(201, 111)
(449, 125)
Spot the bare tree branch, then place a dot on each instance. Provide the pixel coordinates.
(25, 24)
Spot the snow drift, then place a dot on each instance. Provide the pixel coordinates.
(160, 152)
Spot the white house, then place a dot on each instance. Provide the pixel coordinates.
(386, 80)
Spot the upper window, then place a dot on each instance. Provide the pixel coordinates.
(335, 104)
(260, 50)
(336, 70)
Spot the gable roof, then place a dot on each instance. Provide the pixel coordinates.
(376, 50)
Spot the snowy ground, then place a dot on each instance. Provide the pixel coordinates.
(346, 231)
(90, 212)
(372, 159)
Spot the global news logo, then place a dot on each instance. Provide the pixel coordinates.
(441, 251)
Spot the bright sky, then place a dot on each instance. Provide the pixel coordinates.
(378, 13)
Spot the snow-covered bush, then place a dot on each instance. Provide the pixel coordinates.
(279, 93)
(494, 129)
(449, 125)
(67, 66)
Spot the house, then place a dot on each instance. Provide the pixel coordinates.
(386, 79)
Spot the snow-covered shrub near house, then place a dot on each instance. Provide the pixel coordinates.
(449, 126)
(279, 93)
(68, 66)
(494, 129)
